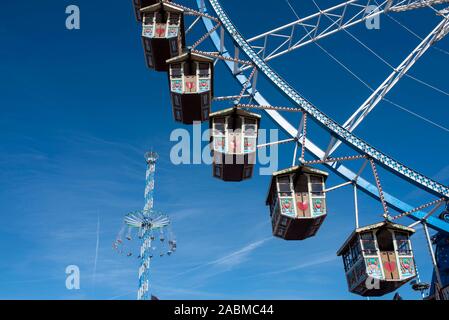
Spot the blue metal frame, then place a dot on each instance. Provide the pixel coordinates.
(327, 123)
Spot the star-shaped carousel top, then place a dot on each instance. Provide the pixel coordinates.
(147, 219)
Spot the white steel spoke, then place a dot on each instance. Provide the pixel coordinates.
(378, 95)
(301, 105)
(434, 261)
(314, 27)
(356, 205)
(276, 142)
(193, 24)
(431, 212)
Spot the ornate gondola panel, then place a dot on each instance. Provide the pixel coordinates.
(297, 202)
(163, 35)
(234, 143)
(191, 87)
(378, 259)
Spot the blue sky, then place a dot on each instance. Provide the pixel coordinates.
(79, 108)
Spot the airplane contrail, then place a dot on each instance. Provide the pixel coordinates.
(96, 253)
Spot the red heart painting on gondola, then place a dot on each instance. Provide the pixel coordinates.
(160, 31)
(190, 85)
(390, 266)
(302, 205)
(286, 205)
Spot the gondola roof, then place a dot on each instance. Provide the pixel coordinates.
(304, 169)
(189, 54)
(158, 6)
(387, 224)
(238, 111)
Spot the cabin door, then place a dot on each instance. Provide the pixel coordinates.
(302, 196)
(234, 139)
(190, 84)
(302, 203)
(160, 30)
(389, 265)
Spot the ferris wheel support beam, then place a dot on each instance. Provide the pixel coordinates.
(356, 206)
(432, 255)
(338, 168)
(434, 209)
(377, 96)
(344, 15)
(322, 119)
(193, 24)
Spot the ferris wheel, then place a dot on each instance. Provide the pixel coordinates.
(377, 258)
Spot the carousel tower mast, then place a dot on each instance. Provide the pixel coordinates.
(150, 226)
(150, 158)
(145, 253)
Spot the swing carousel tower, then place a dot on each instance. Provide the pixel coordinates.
(151, 228)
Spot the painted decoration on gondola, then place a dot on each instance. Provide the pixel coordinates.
(172, 31)
(287, 207)
(148, 31)
(317, 207)
(389, 266)
(220, 144)
(373, 267)
(204, 85)
(190, 86)
(249, 145)
(302, 205)
(160, 31)
(176, 86)
(407, 267)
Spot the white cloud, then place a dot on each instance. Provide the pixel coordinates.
(230, 260)
(238, 256)
(324, 258)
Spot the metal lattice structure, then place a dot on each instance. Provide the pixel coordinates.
(339, 133)
(327, 22)
(151, 228)
(248, 59)
(338, 18)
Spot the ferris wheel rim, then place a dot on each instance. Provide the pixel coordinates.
(285, 125)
